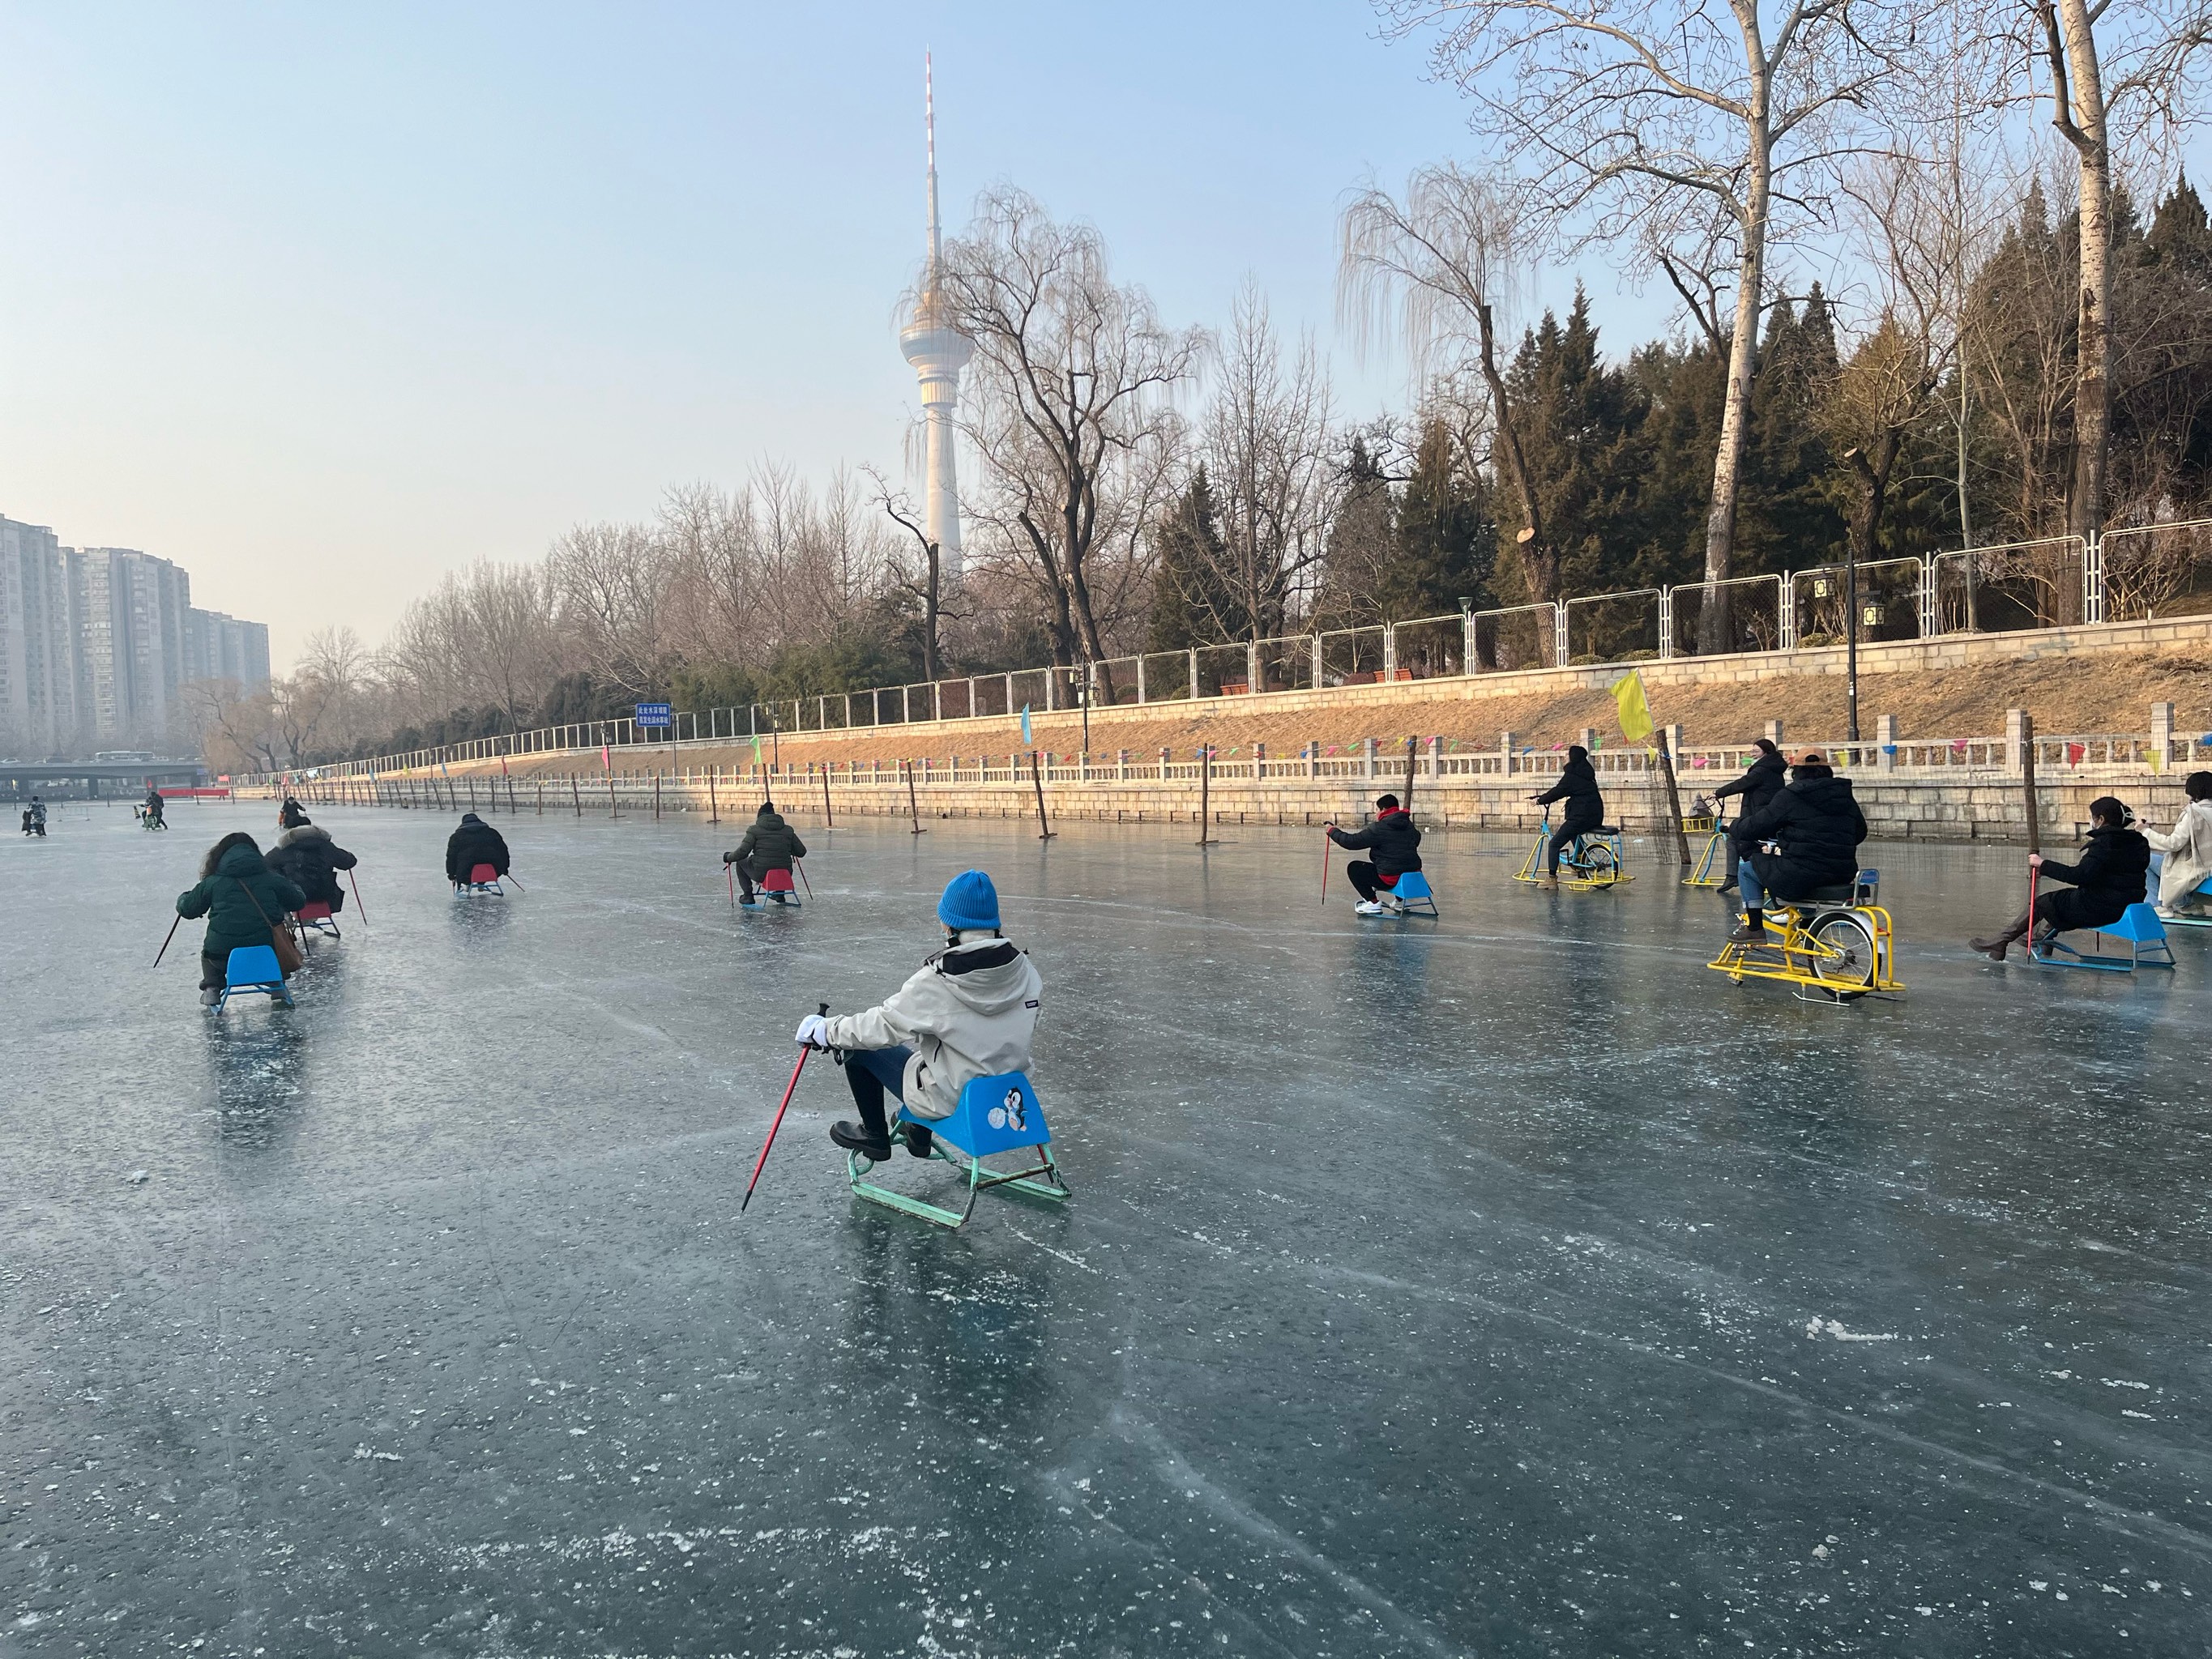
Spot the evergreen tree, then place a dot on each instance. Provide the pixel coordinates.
(1360, 542)
(1192, 604)
(1446, 545)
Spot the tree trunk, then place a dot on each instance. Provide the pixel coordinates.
(1713, 629)
(2078, 115)
(929, 614)
(1540, 563)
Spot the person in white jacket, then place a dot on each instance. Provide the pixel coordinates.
(2188, 849)
(968, 1013)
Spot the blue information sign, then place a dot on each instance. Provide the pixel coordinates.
(654, 713)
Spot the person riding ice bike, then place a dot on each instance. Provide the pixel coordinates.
(1585, 808)
(1805, 840)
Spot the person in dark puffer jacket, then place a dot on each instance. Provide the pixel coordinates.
(242, 899)
(305, 856)
(1814, 826)
(1395, 839)
(474, 842)
(769, 844)
(1585, 810)
(1756, 789)
(2109, 877)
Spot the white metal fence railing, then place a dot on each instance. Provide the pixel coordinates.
(2156, 570)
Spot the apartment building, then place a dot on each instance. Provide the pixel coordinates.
(97, 645)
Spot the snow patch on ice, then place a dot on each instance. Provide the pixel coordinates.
(1832, 1328)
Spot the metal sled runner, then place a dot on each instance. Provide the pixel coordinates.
(313, 917)
(1590, 862)
(483, 879)
(996, 1115)
(1411, 896)
(1837, 941)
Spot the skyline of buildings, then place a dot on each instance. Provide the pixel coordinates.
(97, 644)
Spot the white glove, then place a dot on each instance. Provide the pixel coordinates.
(814, 1032)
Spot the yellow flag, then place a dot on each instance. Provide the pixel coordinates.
(1635, 713)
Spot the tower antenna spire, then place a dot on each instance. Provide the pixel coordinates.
(929, 134)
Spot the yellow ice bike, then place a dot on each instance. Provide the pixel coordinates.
(1714, 868)
(1836, 941)
(1591, 860)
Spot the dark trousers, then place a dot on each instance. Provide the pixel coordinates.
(868, 1074)
(1560, 839)
(745, 883)
(1365, 881)
(214, 969)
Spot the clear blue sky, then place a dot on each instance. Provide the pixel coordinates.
(320, 300)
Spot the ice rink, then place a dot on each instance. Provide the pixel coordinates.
(1503, 1284)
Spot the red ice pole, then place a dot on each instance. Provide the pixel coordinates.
(358, 904)
(518, 887)
(731, 871)
(799, 865)
(789, 1088)
(2034, 872)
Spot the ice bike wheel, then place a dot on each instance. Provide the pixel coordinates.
(1844, 952)
(1597, 863)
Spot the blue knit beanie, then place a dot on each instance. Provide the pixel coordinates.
(970, 901)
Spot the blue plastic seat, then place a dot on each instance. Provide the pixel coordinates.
(1414, 895)
(994, 1115)
(253, 967)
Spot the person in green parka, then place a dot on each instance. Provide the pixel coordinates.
(233, 880)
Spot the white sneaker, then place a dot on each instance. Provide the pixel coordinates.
(1368, 908)
(2164, 913)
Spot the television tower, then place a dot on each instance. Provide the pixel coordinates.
(939, 352)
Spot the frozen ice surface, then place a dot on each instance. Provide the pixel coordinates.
(1507, 1285)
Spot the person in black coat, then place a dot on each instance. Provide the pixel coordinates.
(1758, 787)
(305, 856)
(1395, 839)
(1585, 809)
(768, 843)
(2109, 877)
(1808, 838)
(474, 842)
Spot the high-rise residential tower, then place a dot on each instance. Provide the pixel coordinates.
(939, 352)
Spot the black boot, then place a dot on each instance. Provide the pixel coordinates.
(856, 1138)
(919, 1140)
(1994, 947)
(1751, 930)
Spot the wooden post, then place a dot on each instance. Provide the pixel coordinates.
(575, 798)
(613, 811)
(1205, 795)
(828, 818)
(656, 794)
(510, 795)
(1407, 802)
(2028, 780)
(1036, 778)
(713, 805)
(913, 812)
(1673, 797)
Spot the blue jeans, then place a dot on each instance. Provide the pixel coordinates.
(1748, 883)
(868, 1074)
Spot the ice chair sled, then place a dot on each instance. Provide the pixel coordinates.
(253, 967)
(314, 916)
(2182, 918)
(483, 879)
(2139, 925)
(1414, 895)
(777, 885)
(996, 1115)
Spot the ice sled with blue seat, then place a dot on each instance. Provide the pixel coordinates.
(996, 1115)
(1413, 894)
(2182, 917)
(253, 967)
(483, 879)
(2139, 925)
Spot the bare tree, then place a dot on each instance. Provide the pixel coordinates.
(1648, 124)
(1442, 263)
(611, 583)
(1070, 382)
(899, 507)
(1267, 440)
(2131, 74)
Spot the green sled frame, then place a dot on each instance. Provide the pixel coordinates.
(996, 1115)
